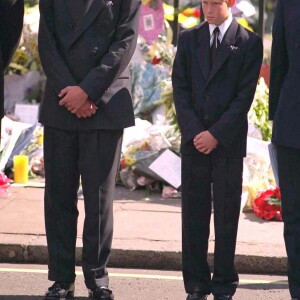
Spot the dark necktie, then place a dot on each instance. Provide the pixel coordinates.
(215, 45)
(77, 9)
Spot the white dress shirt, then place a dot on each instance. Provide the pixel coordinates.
(223, 28)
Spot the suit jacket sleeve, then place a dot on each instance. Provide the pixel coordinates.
(11, 14)
(54, 66)
(279, 60)
(99, 79)
(188, 120)
(226, 129)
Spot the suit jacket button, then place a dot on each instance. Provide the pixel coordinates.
(207, 98)
(95, 50)
(70, 26)
(296, 45)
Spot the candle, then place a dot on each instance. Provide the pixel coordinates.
(20, 168)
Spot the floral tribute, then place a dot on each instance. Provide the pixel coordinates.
(4, 184)
(268, 205)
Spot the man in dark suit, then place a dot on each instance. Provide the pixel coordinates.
(284, 109)
(11, 24)
(214, 80)
(85, 48)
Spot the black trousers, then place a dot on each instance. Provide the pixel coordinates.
(199, 173)
(289, 182)
(94, 156)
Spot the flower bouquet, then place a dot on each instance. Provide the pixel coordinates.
(4, 184)
(268, 205)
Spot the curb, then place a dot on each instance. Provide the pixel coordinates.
(143, 259)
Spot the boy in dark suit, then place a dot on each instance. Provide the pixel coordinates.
(85, 48)
(284, 106)
(11, 24)
(214, 77)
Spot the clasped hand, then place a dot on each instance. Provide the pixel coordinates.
(205, 142)
(76, 100)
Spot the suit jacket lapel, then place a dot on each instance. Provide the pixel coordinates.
(93, 9)
(224, 49)
(68, 4)
(203, 52)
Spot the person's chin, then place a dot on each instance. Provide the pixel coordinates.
(210, 21)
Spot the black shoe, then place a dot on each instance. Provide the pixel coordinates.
(222, 297)
(196, 295)
(101, 293)
(60, 290)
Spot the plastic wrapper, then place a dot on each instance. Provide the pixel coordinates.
(13, 139)
(258, 174)
(145, 86)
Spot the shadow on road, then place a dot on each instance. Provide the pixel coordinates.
(275, 285)
(140, 195)
(253, 218)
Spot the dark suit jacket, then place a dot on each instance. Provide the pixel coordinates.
(284, 106)
(216, 99)
(94, 55)
(11, 24)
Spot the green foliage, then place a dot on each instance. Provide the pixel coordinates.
(26, 58)
(167, 100)
(259, 112)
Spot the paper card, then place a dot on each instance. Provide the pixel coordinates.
(246, 8)
(168, 167)
(27, 113)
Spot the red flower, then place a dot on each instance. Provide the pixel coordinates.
(123, 164)
(4, 181)
(277, 193)
(268, 205)
(155, 60)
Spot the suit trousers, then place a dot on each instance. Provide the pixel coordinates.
(94, 156)
(289, 182)
(205, 177)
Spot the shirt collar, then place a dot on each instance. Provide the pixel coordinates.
(223, 27)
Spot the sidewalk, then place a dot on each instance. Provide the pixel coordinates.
(147, 233)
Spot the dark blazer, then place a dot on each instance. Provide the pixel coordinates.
(11, 24)
(216, 99)
(94, 55)
(284, 106)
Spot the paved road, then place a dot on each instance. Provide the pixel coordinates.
(28, 282)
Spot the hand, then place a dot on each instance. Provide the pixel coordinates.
(205, 142)
(86, 110)
(73, 98)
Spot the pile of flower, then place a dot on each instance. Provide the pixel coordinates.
(259, 111)
(268, 205)
(4, 184)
